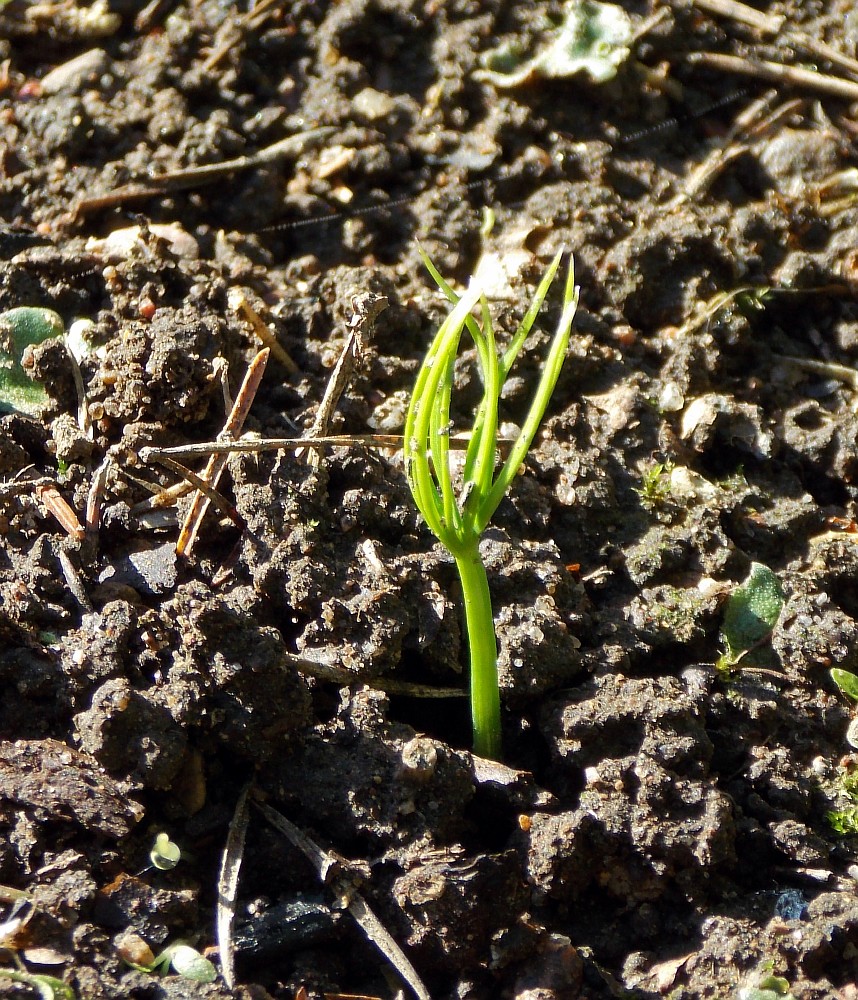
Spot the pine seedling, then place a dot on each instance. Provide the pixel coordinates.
(458, 520)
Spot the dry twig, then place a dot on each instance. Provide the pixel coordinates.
(216, 463)
(227, 887)
(367, 308)
(331, 871)
(254, 445)
(178, 180)
(92, 519)
(238, 301)
(209, 493)
(763, 69)
(749, 122)
(231, 32)
(73, 581)
(55, 504)
(773, 24)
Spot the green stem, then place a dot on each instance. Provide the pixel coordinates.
(485, 696)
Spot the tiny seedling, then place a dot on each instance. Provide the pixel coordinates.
(845, 821)
(184, 960)
(165, 855)
(459, 521)
(47, 987)
(655, 487)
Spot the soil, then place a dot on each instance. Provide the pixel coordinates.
(658, 827)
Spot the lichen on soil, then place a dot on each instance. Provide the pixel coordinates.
(658, 828)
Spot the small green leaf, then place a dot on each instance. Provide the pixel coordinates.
(725, 667)
(19, 328)
(594, 39)
(28, 325)
(24, 397)
(190, 964)
(752, 611)
(777, 984)
(769, 988)
(846, 681)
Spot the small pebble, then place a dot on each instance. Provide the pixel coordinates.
(116, 246)
(77, 74)
(791, 905)
(671, 399)
(372, 105)
(419, 760)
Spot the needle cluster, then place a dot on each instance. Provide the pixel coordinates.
(458, 518)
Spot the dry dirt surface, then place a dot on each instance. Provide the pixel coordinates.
(660, 826)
